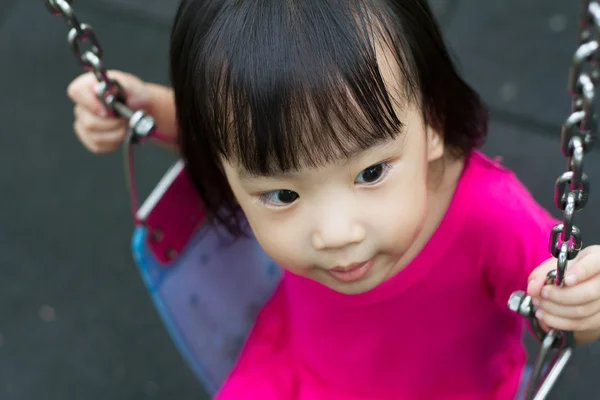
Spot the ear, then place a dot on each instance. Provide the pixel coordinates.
(435, 144)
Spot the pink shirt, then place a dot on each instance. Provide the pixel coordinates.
(439, 329)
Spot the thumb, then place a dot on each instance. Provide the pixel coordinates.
(134, 89)
(537, 278)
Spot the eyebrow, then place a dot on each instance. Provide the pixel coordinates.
(246, 175)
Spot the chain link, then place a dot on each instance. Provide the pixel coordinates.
(86, 48)
(571, 194)
(577, 138)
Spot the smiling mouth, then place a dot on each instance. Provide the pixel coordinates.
(352, 272)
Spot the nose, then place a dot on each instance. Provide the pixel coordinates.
(337, 228)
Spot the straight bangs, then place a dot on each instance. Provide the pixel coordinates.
(277, 85)
(281, 85)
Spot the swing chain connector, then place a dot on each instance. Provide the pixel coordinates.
(571, 194)
(520, 303)
(141, 124)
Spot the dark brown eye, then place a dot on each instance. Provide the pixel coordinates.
(287, 196)
(280, 197)
(371, 174)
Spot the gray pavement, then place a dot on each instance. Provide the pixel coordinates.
(75, 319)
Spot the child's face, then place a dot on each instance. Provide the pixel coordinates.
(369, 208)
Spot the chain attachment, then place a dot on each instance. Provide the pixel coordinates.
(571, 194)
(109, 91)
(554, 339)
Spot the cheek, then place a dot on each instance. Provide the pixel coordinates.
(279, 238)
(401, 215)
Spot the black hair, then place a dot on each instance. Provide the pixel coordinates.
(280, 84)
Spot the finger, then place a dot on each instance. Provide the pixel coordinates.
(544, 326)
(82, 91)
(534, 287)
(569, 324)
(582, 293)
(574, 312)
(584, 267)
(109, 138)
(537, 278)
(132, 87)
(92, 145)
(93, 123)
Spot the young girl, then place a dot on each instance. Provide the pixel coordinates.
(343, 132)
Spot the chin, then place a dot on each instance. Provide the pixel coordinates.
(362, 286)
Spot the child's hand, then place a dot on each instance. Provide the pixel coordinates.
(98, 131)
(575, 306)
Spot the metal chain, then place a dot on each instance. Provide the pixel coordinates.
(109, 91)
(570, 195)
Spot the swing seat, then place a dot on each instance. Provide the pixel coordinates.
(207, 287)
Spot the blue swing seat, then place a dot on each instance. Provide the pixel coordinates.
(208, 288)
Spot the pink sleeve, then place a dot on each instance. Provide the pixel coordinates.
(519, 242)
(264, 370)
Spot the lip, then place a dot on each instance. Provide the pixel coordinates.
(352, 272)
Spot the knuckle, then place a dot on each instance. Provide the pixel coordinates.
(79, 130)
(554, 322)
(72, 91)
(94, 148)
(593, 293)
(88, 123)
(576, 325)
(567, 324)
(84, 139)
(581, 311)
(74, 88)
(572, 325)
(582, 271)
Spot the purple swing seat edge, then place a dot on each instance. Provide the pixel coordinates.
(210, 293)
